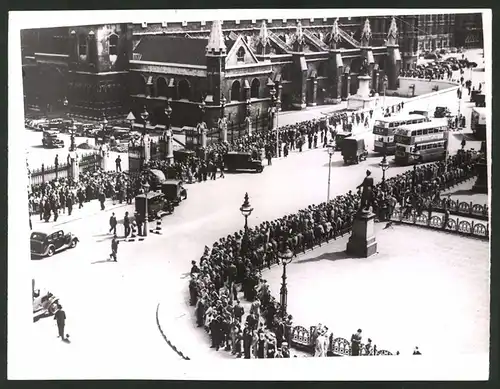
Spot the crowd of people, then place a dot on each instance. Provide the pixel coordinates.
(234, 263)
(50, 199)
(208, 163)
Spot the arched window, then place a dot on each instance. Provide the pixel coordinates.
(113, 44)
(235, 91)
(240, 54)
(254, 88)
(161, 87)
(82, 46)
(184, 90)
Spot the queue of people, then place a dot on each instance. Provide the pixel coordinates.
(50, 199)
(234, 263)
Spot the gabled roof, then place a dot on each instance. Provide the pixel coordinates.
(160, 48)
(238, 43)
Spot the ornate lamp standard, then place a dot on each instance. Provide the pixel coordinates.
(168, 134)
(331, 151)
(246, 210)
(274, 111)
(286, 258)
(104, 123)
(202, 107)
(145, 186)
(384, 165)
(385, 81)
(72, 146)
(145, 116)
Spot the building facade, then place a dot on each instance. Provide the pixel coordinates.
(206, 70)
(469, 31)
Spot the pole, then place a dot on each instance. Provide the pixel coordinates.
(284, 291)
(146, 216)
(246, 224)
(329, 176)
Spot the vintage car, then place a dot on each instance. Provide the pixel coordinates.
(44, 303)
(442, 112)
(44, 244)
(339, 138)
(156, 202)
(183, 155)
(234, 161)
(354, 150)
(51, 139)
(174, 191)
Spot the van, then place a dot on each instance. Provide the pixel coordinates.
(354, 150)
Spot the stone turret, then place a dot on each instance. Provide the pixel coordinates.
(366, 50)
(216, 45)
(263, 45)
(393, 56)
(335, 64)
(216, 53)
(298, 45)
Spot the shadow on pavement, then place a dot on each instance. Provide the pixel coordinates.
(334, 256)
(466, 192)
(336, 164)
(102, 261)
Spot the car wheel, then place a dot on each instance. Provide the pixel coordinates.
(73, 243)
(53, 308)
(51, 251)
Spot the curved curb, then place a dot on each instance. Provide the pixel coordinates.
(178, 352)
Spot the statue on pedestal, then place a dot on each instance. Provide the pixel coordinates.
(365, 68)
(367, 194)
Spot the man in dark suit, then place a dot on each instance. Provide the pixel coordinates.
(112, 224)
(355, 343)
(60, 317)
(126, 224)
(114, 248)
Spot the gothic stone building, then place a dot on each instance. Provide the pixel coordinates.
(113, 69)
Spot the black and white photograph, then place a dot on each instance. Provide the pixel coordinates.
(190, 191)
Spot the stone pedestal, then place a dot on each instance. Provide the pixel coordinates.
(75, 168)
(362, 99)
(481, 185)
(170, 147)
(224, 134)
(204, 138)
(362, 242)
(249, 127)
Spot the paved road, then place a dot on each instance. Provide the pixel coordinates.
(109, 304)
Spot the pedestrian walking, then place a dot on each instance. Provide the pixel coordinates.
(356, 343)
(126, 224)
(114, 249)
(112, 224)
(60, 318)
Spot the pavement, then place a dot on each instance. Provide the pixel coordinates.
(113, 305)
(436, 294)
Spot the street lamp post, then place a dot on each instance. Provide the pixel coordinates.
(384, 165)
(104, 123)
(168, 135)
(331, 151)
(222, 116)
(72, 146)
(274, 102)
(386, 80)
(286, 258)
(246, 210)
(144, 116)
(146, 210)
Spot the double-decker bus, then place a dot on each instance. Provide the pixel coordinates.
(383, 130)
(478, 122)
(422, 142)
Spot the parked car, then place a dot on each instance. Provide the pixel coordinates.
(453, 50)
(234, 161)
(43, 244)
(44, 303)
(51, 139)
(354, 150)
(156, 202)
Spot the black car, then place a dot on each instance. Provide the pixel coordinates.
(45, 245)
(234, 161)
